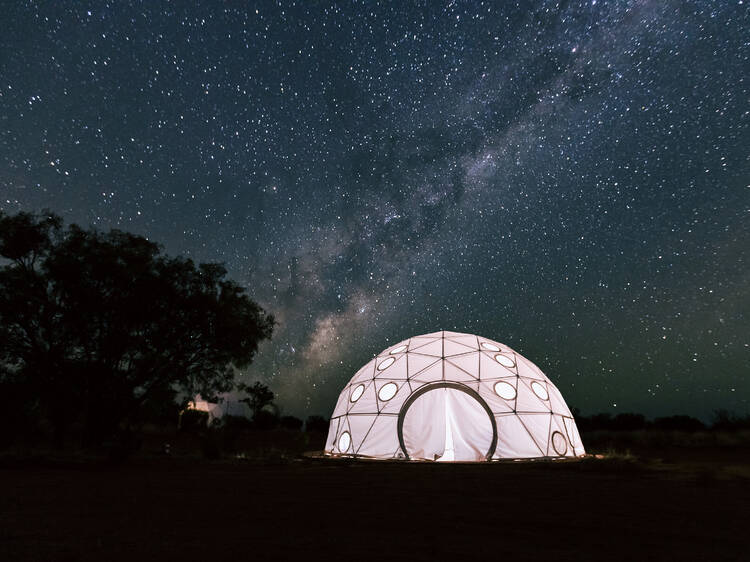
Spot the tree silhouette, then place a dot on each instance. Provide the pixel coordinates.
(259, 396)
(95, 325)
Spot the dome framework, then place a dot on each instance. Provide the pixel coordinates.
(449, 396)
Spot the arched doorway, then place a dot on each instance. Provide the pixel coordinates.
(447, 421)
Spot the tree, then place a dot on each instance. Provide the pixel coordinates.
(96, 325)
(259, 396)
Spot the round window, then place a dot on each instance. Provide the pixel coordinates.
(539, 390)
(559, 444)
(490, 346)
(387, 391)
(399, 349)
(344, 441)
(504, 360)
(357, 393)
(505, 390)
(387, 363)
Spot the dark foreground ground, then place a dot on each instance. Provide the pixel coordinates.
(687, 504)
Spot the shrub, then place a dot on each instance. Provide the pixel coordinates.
(193, 421)
(291, 423)
(317, 424)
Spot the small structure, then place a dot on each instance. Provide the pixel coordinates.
(448, 396)
(214, 411)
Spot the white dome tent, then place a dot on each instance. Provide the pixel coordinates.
(448, 396)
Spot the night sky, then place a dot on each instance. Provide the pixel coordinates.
(569, 178)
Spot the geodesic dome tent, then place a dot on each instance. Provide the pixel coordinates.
(448, 396)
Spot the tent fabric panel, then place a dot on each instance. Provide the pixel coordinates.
(453, 373)
(557, 404)
(389, 350)
(527, 371)
(558, 425)
(538, 425)
(333, 427)
(360, 426)
(469, 363)
(513, 439)
(527, 400)
(394, 404)
(454, 348)
(382, 437)
(497, 404)
(367, 403)
(342, 402)
(491, 369)
(365, 373)
(432, 348)
(430, 374)
(417, 363)
(573, 436)
(468, 341)
(395, 369)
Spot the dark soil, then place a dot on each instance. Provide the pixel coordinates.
(616, 508)
(658, 503)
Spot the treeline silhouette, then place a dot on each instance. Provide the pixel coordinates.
(722, 421)
(101, 332)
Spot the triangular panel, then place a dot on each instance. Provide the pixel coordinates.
(513, 439)
(419, 363)
(430, 374)
(526, 370)
(453, 348)
(468, 341)
(497, 404)
(383, 436)
(491, 369)
(557, 404)
(469, 363)
(367, 404)
(396, 369)
(365, 373)
(453, 373)
(360, 426)
(538, 426)
(433, 348)
(527, 401)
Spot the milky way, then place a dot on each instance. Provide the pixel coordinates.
(568, 178)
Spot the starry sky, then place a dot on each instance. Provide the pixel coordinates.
(569, 178)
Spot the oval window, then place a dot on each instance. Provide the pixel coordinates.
(387, 363)
(539, 390)
(559, 444)
(399, 349)
(387, 391)
(344, 441)
(504, 360)
(490, 346)
(357, 393)
(505, 390)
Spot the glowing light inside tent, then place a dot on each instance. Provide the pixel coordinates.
(430, 405)
(344, 441)
(490, 346)
(539, 390)
(504, 360)
(387, 363)
(357, 393)
(387, 391)
(505, 390)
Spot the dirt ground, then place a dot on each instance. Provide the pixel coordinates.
(307, 509)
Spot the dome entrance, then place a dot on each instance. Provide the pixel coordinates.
(447, 421)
